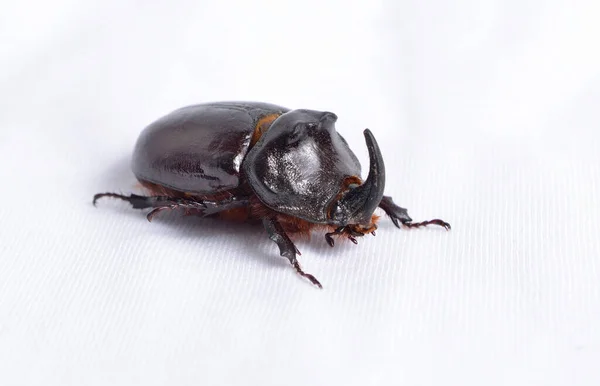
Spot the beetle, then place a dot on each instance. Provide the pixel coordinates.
(253, 161)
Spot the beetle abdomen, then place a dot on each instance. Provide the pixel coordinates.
(200, 148)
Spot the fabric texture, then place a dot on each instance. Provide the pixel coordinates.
(487, 116)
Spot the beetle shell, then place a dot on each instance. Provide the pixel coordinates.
(200, 149)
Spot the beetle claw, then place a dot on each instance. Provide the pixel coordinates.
(312, 279)
(306, 275)
(97, 197)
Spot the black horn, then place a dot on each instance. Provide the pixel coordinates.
(363, 200)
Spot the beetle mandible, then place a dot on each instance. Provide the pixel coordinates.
(289, 169)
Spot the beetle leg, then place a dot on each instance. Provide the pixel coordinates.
(286, 247)
(161, 203)
(212, 207)
(397, 213)
(435, 221)
(138, 202)
(155, 211)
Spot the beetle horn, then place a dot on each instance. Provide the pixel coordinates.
(364, 199)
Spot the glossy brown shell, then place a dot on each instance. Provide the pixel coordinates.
(200, 149)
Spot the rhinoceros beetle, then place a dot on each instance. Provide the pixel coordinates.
(289, 169)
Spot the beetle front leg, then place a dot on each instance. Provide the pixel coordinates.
(397, 213)
(286, 247)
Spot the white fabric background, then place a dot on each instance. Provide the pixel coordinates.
(487, 115)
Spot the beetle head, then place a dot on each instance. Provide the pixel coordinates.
(302, 167)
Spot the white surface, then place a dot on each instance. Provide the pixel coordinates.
(487, 114)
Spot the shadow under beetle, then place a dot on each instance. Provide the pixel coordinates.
(289, 169)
